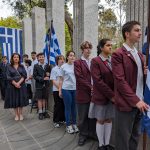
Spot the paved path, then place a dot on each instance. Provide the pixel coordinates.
(33, 134)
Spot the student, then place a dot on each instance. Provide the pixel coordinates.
(3, 78)
(83, 93)
(58, 116)
(41, 75)
(16, 96)
(28, 79)
(128, 68)
(67, 89)
(34, 61)
(101, 106)
(25, 57)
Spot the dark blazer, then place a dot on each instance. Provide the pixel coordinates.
(3, 69)
(103, 83)
(83, 81)
(38, 74)
(125, 79)
(16, 75)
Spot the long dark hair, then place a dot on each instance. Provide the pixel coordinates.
(101, 44)
(68, 53)
(12, 61)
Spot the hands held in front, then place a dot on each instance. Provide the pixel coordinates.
(46, 78)
(142, 106)
(16, 84)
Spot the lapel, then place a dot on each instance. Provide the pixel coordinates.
(85, 64)
(105, 64)
(128, 54)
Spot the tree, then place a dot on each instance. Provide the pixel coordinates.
(23, 8)
(11, 22)
(107, 23)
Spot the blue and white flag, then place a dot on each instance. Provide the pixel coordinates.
(54, 47)
(146, 116)
(10, 41)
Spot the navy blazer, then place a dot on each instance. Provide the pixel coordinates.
(38, 74)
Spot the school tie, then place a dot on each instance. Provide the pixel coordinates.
(107, 63)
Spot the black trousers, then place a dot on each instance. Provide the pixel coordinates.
(29, 91)
(86, 125)
(127, 129)
(3, 84)
(59, 114)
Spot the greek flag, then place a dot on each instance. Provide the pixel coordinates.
(146, 116)
(10, 41)
(54, 46)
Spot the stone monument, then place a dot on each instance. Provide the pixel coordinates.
(85, 18)
(138, 10)
(27, 36)
(38, 28)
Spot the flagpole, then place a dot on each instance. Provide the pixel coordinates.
(49, 67)
(147, 60)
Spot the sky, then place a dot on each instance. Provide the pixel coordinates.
(5, 10)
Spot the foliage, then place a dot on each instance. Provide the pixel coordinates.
(11, 22)
(107, 24)
(67, 39)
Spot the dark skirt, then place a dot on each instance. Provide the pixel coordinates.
(16, 97)
(42, 94)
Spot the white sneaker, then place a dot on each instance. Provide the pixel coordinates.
(56, 125)
(69, 129)
(75, 128)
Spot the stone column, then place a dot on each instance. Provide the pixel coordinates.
(38, 28)
(137, 10)
(85, 19)
(55, 12)
(27, 36)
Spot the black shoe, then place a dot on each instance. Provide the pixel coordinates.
(102, 148)
(46, 115)
(109, 147)
(82, 140)
(41, 116)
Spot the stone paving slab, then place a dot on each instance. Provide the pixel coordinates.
(33, 134)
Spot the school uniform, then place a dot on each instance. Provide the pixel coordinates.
(41, 85)
(58, 115)
(83, 98)
(128, 68)
(3, 79)
(28, 83)
(101, 106)
(34, 62)
(16, 97)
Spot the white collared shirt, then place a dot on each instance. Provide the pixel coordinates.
(33, 63)
(88, 61)
(139, 87)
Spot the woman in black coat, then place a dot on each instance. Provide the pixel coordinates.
(16, 96)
